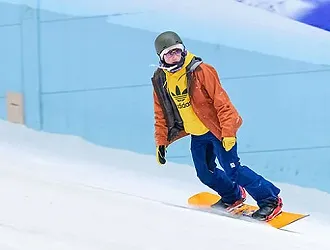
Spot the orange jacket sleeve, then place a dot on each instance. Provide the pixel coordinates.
(160, 123)
(228, 116)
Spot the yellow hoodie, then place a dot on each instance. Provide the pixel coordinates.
(177, 87)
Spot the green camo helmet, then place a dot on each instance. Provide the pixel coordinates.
(166, 40)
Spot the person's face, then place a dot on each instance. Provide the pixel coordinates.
(173, 56)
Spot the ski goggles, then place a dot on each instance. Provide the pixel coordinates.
(172, 51)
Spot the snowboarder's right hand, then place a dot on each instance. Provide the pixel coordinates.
(228, 143)
(160, 154)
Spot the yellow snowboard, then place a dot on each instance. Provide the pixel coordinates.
(206, 200)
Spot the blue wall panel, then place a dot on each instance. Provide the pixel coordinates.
(3, 112)
(10, 14)
(10, 51)
(32, 71)
(10, 69)
(89, 53)
(47, 16)
(116, 118)
(283, 111)
(236, 63)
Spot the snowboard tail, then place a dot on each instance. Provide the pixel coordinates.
(206, 200)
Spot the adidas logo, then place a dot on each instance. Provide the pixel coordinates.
(178, 95)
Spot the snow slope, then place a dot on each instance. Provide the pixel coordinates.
(60, 192)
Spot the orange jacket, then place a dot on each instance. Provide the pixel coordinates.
(209, 101)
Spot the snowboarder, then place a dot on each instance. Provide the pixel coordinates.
(189, 100)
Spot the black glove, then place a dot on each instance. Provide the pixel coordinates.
(160, 154)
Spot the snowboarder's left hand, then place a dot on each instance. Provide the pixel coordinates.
(160, 154)
(228, 142)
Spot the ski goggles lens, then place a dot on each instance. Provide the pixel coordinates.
(173, 52)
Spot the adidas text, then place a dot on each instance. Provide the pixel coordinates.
(184, 105)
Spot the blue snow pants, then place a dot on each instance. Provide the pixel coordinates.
(226, 181)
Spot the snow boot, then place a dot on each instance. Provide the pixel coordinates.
(230, 207)
(269, 210)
